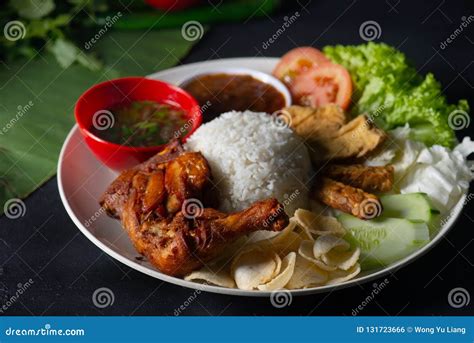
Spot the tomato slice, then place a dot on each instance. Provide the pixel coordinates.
(171, 5)
(298, 60)
(321, 85)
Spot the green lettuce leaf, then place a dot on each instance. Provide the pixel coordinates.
(390, 90)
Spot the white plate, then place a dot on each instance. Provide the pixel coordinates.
(82, 179)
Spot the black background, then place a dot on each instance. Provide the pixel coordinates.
(66, 267)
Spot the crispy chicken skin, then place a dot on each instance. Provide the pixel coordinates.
(160, 205)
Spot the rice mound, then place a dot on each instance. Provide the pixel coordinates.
(253, 157)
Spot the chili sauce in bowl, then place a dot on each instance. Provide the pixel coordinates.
(128, 120)
(236, 89)
(143, 123)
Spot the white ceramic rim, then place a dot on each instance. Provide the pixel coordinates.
(448, 224)
(264, 77)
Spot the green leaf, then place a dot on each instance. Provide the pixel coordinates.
(89, 61)
(38, 97)
(67, 53)
(33, 9)
(64, 51)
(39, 28)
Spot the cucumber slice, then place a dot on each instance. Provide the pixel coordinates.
(384, 240)
(412, 206)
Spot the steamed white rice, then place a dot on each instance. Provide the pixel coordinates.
(253, 157)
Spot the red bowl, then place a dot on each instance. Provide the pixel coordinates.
(95, 103)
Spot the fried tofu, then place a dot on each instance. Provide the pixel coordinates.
(370, 179)
(330, 137)
(311, 122)
(354, 140)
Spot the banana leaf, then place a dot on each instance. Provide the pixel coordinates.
(37, 99)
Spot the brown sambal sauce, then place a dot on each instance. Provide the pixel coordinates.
(219, 93)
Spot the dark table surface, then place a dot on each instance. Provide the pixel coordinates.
(66, 268)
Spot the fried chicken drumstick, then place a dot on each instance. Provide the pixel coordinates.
(159, 203)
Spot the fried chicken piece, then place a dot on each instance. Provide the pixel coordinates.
(348, 199)
(185, 244)
(159, 205)
(370, 179)
(149, 179)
